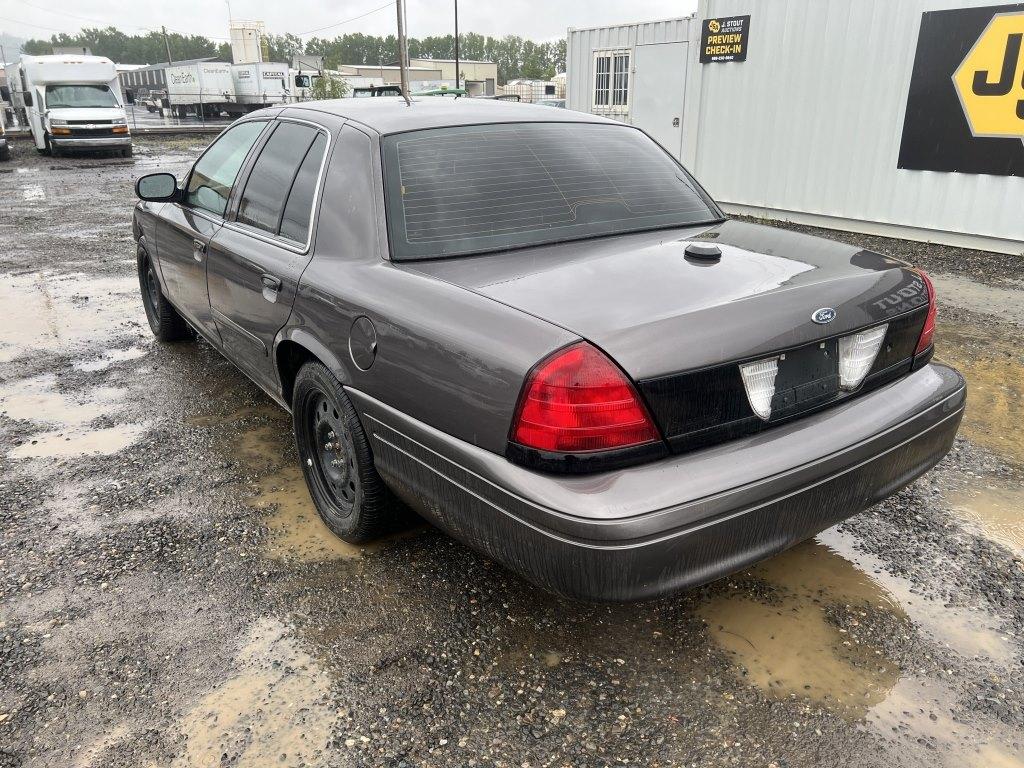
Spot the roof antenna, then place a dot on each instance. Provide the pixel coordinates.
(403, 51)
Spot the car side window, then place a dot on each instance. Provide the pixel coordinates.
(299, 207)
(281, 166)
(210, 184)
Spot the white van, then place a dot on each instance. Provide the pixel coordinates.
(72, 102)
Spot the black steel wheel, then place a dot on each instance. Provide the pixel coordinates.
(164, 320)
(336, 459)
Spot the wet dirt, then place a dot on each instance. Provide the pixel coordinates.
(991, 357)
(273, 709)
(55, 313)
(168, 595)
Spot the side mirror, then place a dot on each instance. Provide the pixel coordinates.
(27, 98)
(157, 188)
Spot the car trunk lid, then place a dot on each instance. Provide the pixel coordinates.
(681, 326)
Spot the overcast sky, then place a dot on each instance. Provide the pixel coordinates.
(534, 19)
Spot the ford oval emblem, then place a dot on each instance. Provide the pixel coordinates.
(824, 315)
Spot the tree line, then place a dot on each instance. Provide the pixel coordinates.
(515, 57)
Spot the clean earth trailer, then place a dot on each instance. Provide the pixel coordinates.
(204, 87)
(860, 115)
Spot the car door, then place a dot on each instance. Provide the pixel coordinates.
(256, 260)
(185, 229)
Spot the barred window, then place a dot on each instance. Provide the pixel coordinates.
(602, 80)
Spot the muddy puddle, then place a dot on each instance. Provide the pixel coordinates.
(295, 530)
(789, 643)
(110, 357)
(997, 512)
(47, 313)
(66, 418)
(993, 365)
(273, 709)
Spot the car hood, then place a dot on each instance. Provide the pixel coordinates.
(83, 113)
(658, 312)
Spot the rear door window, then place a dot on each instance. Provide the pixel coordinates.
(282, 182)
(210, 184)
(299, 208)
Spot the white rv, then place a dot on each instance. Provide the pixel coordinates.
(204, 87)
(72, 102)
(261, 84)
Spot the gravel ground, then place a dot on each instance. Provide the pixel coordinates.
(168, 596)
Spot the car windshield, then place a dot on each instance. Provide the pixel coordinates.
(79, 96)
(471, 189)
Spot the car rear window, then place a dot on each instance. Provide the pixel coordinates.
(473, 189)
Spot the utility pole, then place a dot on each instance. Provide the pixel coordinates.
(403, 52)
(167, 45)
(456, 43)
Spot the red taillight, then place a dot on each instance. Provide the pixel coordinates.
(928, 331)
(577, 400)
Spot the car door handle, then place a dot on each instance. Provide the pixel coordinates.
(271, 285)
(198, 249)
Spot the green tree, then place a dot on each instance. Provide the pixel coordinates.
(328, 87)
(514, 56)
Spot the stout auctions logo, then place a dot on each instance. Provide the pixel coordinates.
(990, 81)
(965, 106)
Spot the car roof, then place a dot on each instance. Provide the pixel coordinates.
(387, 114)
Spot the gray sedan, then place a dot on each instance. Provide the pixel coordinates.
(537, 330)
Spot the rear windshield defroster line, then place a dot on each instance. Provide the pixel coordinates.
(472, 189)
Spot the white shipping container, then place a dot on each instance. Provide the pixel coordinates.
(808, 128)
(261, 84)
(207, 82)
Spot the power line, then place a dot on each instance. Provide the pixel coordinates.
(346, 21)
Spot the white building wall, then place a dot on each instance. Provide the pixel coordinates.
(808, 128)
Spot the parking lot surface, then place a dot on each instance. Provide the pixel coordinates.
(168, 595)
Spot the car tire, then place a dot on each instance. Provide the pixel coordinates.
(5, 153)
(337, 463)
(127, 152)
(164, 320)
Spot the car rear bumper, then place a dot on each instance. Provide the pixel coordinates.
(649, 530)
(86, 142)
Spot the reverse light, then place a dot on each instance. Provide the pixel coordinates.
(759, 381)
(857, 353)
(928, 331)
(577, 400)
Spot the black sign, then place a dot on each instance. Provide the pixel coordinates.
(965, 106)
(724, 39)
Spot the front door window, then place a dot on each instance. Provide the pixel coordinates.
(213, 176)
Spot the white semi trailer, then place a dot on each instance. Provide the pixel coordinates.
(261, 84)
(205, 88)
(71, 102)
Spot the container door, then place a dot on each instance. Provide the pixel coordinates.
(659, 85)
